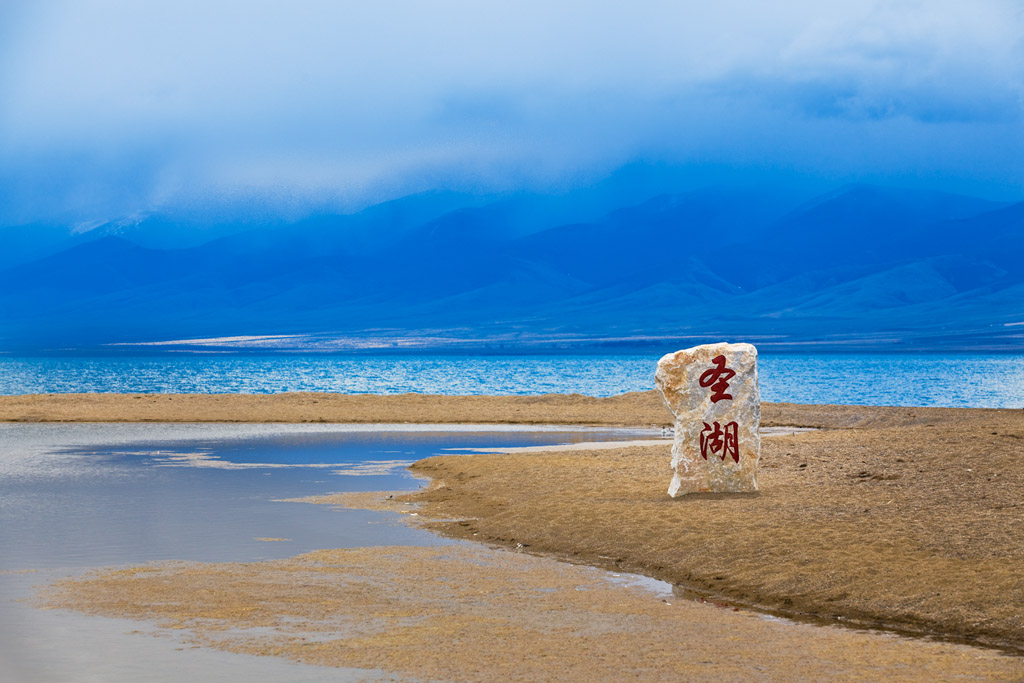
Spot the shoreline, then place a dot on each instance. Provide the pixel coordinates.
(904, 519)
(471, 612)
(416, 512)
(896, 542)
(632, 409)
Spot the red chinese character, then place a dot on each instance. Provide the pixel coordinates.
(715, 440)
(718, 379)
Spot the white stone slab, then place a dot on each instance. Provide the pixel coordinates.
(712, 390)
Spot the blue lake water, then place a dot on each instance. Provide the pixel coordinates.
(956, 380)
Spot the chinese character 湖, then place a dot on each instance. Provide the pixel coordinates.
(717, 440)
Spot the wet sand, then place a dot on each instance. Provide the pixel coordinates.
(471, 613)
(902, 518)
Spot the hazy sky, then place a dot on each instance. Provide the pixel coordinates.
(112, 107)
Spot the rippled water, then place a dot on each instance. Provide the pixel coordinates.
(957, 380)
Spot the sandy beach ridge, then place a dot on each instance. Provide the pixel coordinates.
(633, 409)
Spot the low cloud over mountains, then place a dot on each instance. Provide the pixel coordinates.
(863, 267)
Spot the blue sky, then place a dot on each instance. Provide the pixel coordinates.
(110, 108)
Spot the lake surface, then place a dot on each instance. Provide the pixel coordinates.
(955, 380)
(86, 495)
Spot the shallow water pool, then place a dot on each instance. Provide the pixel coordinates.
(78, 496)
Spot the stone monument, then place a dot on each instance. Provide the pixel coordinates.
(712, 391)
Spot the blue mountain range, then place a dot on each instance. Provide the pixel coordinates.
(611, 266)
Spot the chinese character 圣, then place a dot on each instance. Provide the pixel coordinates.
(718, 379)
(718, 440)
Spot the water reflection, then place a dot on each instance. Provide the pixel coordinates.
(85, 495)
(176, 492)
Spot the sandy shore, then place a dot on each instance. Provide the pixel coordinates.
(901, 518)
(635, 409)
(911, 521)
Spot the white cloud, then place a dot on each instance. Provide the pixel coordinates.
(141, 102)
